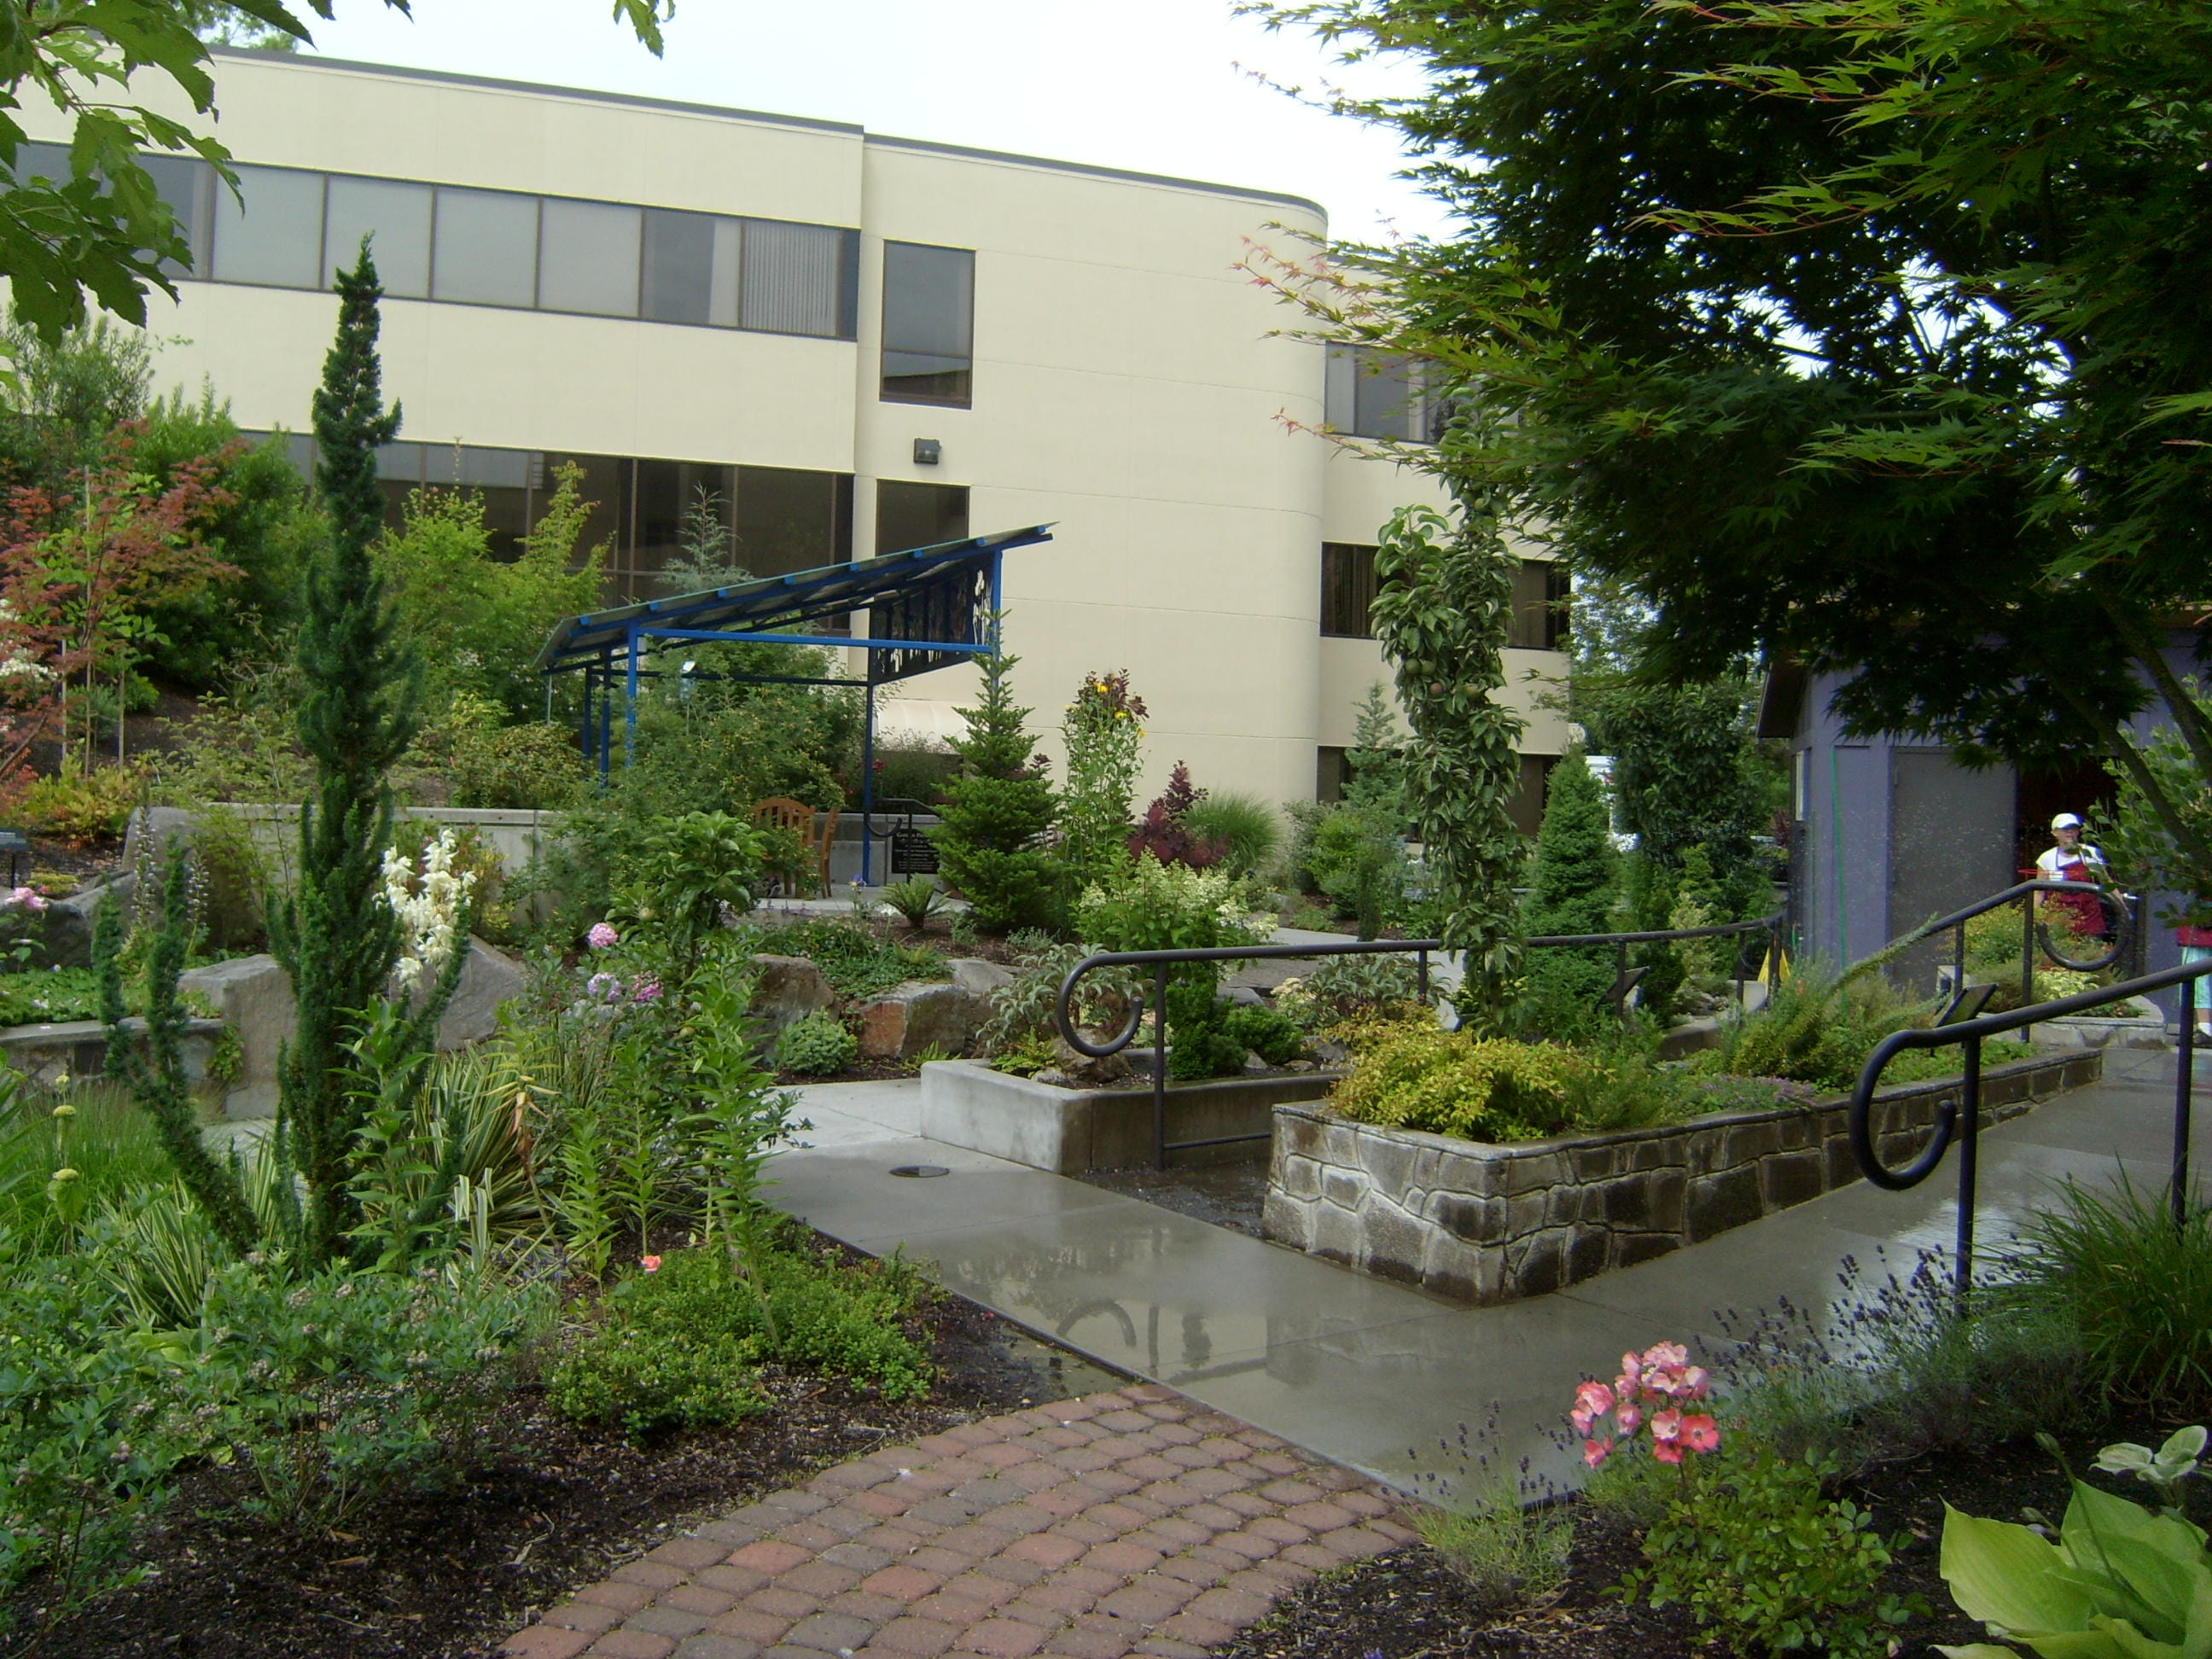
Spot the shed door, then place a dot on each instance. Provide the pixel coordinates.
(1950, 843)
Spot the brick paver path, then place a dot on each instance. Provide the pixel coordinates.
(1132, 1521)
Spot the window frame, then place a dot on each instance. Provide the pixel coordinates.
(884, 348)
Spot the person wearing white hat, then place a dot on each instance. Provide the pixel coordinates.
(2074, 859)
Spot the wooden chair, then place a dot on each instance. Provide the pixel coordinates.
(816, 831)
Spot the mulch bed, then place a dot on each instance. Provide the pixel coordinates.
(1410, 1604)
(550, 1505)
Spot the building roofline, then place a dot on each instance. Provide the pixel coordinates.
(1127, 174)
(635, 100)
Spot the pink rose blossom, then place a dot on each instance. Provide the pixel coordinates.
(1700, 1433)
(1630, 1417)
(650, 1263)
(1592, 1401)
(1668, 1355)
(601, 936)
(1594, 1452)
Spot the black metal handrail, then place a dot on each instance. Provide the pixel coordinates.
(2032, 933)
(1962, 1122)
(1161, 960)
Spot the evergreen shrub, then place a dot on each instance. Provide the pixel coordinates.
(816, 1045)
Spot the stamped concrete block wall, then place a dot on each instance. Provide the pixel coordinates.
(1488, 1223)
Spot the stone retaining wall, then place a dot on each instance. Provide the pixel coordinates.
(1487, 1223)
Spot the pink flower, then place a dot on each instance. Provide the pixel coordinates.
(1666, 1356)
(1692, 1383)
(648, 989)
(28, 898)
(1630, 1416)
(650, 1263)
(1666, 1426)
(601, 936)
(606, 987)
(1666, 1451)
(1700, 1433)
(1592, 1401)
(1631, 1375)
(1594, 1452)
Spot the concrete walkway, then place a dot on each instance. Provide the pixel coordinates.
(1373, 1375)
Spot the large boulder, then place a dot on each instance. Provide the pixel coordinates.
(974, 974)
(62, 938)
(252, 996)
(903, 1023)
(788, 990)
(489, 979)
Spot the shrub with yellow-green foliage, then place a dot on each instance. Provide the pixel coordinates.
(1421, 1077)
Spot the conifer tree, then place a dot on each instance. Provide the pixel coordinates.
(998, 810)
(335, 936)
(1573, 884)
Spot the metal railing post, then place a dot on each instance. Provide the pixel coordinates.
(2027, 960)
(1970, 1134)
(1160, 1066)
(2185, 1067)
(1958, 965)
(1424, 960)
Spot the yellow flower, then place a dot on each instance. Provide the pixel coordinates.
(64, 1110)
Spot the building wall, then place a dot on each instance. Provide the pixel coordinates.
(1129, 386)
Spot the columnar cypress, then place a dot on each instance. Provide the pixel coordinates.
(334, 935)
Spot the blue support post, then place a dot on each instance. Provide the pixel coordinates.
(606, 717)
(868, 780)
(630, 706)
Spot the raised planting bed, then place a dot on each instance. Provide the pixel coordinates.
(1488, 1223)
(1067, 1131)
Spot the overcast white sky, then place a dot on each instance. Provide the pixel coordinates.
(1160, 86)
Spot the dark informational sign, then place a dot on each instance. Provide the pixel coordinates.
(911, 852)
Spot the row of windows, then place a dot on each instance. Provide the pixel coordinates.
(777, 519)
(1542, 599)
(293, 229)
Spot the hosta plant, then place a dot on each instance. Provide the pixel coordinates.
(2119, 1581)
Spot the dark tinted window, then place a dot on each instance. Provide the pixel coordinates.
(910, 515)
(1373, 394)
(790, 521)
(1347, 590)
(1541, 593)
(929, 295)
(691, 262)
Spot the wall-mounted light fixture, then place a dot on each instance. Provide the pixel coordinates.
(926, 452)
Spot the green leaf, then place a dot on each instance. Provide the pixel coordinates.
(2003, 1574)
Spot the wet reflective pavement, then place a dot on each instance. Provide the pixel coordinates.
(1375, 1374)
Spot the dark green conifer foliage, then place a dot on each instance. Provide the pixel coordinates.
(998, 809)
(1573, 884)
(335, 936)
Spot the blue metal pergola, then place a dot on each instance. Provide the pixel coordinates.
(927, 608)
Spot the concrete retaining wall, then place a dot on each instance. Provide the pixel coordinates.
(1487, 1223)
(1067, 1131)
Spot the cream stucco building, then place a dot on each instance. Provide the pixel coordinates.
(856, 343)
